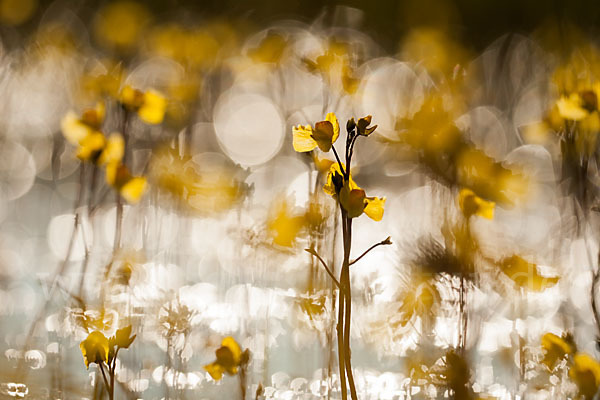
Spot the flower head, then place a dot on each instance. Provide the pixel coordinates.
(351, 197)
(324, 135)
(471, 204)
(94, 348)
(229, 358)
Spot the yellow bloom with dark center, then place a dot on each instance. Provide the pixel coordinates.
(131, 188)
(571, 107)
(94, 348)
(324, 135)
(585, 373)
(76, 128)
(229, 358)
(471, 204)
(351, 197)
(149, 105)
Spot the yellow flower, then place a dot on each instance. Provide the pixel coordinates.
(91, 146)
(526, 274)
(75, 128)
(471, 204)
(150, 105)
(229, 358)
(113, 151)
(325, 133)
(131, 188)
(555, 348)
(120, 24)
(571, 107)
(585, 372)
(283, 227)
(122, 338)
(351, 197)
(94, 348)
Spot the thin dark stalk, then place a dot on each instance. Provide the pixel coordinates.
(108, 387)
(345, 281)
(314, 253)
(386, 241)
(338, 160)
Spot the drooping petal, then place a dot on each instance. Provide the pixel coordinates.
(235, 349)
(302, 138)
(374, 208)
(123, 337)
(323, 134)
(353, 201)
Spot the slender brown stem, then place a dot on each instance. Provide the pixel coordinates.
(108, 387)
(345, 281)
(341, 352)
(314, 253)
(384, 242)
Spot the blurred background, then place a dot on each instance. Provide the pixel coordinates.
(149, 179)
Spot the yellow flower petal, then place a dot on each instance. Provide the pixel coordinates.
(235, 349)
(153, 107)
(302, 138)
(73, 129)
(570, 107)
(374, 208)
(131, 97)
(324, 134)
(585, 372)
(215, 370)
(133, 190)
(525, 274)
(94, 348)
(123, 337)
(471, 204)
(113, 150)
(329, 187)
(353, 201)
(336, 125)
(90, 146)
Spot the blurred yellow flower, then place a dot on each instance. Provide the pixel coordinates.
(229, 358)
(325, 133)
(269, 50)
(75, 128)
(113, 151)
(122, 338)
(16, 12)
(283, 226)
(150, 105)
(119, 25)
(471, 204)
(131, 188)
(94, 348)
(555, 348)
(525, 274)
(585, 373)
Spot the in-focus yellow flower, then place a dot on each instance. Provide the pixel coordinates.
(471, 204)
(351, 197)
(585, 373)
(94, 348)
(150, 105)
(525, 274)
(229, 358)
(325, 133)
(555, 348)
